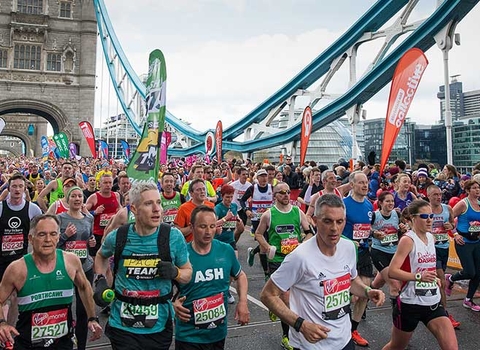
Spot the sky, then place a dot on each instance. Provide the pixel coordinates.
(225, 57)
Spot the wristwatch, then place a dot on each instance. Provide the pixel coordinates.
(418, 277)
(93, 319)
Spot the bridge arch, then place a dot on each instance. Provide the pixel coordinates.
(4, 144)
(52, 113)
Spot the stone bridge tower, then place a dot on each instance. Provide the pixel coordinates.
(47, 66)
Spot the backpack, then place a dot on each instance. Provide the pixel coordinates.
(163, 244)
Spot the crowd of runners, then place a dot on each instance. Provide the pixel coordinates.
(71, 230)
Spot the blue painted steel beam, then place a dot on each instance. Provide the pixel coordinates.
(365, 88)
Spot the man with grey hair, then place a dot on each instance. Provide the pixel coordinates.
(44, 283)
(318, 317)
(141, 312)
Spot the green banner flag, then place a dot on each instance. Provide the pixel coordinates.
(61, 140)
(144, 164)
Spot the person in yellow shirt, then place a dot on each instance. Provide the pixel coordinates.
(197, 173)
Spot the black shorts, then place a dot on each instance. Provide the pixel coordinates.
(233, 245)
(380, 259)
(180, 345)
(407, 316)
(364, 264)
(123, 340)
(273, 266)
(442, 258)
(64, 343)
(3, 267)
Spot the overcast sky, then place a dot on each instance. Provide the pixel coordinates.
(225, 57)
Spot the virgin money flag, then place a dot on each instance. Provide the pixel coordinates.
(166, 140)
(54, 153)
(146, 159)
(306, 131)
(45, 148)
(73, 150)
(61, 140)
(218, 140)
(2, 124)
(209, 143)
(406, 79)
(87, 131)
(103, 147)
(126, 149)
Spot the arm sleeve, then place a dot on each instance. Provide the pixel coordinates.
(248, 193)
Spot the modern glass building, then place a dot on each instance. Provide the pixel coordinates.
(326, 146)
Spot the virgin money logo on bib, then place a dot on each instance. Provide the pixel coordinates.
(14, 222)
(331, 286)
(200, 304)
(40, 319)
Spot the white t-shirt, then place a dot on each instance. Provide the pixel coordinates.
(320, 290)
(240, 190)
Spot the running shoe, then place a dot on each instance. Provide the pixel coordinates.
(286, 343)
(272, 316)
(455, 323)
(250, 256)
(469, 304)
(448, 284)
(358, 339)
(231, 299)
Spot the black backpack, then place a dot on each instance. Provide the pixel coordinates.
(163, 244)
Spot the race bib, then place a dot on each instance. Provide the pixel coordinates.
(79, 248)
(391, 235)
(336, 293)
(361, 231)
(426, 288)
(49, 325)
(139, 316)
(210, 311)
(12, 243)
(439, 232)
(229, 225)
(169, 215)
(258, 209)
(105, 219)
(474, 227)
(288, 245)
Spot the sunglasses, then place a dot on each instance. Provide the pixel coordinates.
(424, 216)
(283, 192)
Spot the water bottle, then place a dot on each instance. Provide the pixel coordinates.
(103, 295)
(271, 252)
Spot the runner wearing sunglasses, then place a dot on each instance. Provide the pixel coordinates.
(414, 263)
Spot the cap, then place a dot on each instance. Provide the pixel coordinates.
(465, 177)
(261, 172)
(70, 180)
(422, 172)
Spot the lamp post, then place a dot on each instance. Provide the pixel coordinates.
(445, 39)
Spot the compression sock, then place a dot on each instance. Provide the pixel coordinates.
(263, 262)
(285, 329)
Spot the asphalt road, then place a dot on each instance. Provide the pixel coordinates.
(261, 333)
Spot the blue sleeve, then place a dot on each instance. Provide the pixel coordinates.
(178, 247)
